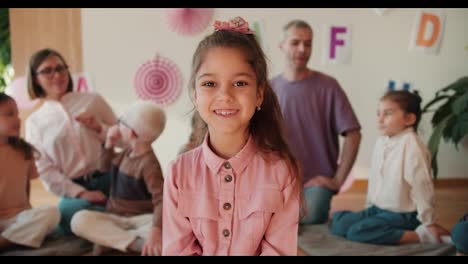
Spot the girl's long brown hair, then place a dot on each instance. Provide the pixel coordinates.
(16, 142)
(266, 125)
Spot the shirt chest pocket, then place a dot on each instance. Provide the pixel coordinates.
(255, 211)
(202, 212)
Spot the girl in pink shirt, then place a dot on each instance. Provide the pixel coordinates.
(19, 223)
(238, 193)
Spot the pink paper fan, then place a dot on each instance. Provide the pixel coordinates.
(188, 21)
(18, 90)
(158, 80)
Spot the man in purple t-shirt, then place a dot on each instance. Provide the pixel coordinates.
(315, 110)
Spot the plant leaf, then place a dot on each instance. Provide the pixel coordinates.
(435, 167)
(460, 104)
(434, 142)
(433, 101)
(447, 131)
(460, 129)
(441, 113)
(460, 86)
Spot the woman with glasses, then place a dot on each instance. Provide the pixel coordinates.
(68, 130)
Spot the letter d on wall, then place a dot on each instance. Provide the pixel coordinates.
(428, 31)
(337, 44)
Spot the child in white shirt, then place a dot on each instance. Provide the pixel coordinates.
(400, 198)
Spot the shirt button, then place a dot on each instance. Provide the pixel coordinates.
(226, 233)
(228, 178)
(227, 165)
(227, 206)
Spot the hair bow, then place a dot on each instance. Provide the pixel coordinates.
(237, 24)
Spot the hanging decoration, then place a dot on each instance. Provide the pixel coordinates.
(188, 21)
(337, 44)
(380, 11)
(158, 80)
(428, 31)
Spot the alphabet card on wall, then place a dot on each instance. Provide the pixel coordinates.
(82, 82)
(337, 44)
(428, 30)
(395, 85)
(380, 11)
(259, 27)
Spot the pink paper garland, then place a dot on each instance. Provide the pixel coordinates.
(158, 80)
(188, 21)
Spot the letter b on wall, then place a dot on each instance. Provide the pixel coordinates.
(428, 31)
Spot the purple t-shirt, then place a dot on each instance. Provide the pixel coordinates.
(316, 111)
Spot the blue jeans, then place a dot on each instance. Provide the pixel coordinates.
(68, 206)
(460, 235)
(318, 200)
(373, 225)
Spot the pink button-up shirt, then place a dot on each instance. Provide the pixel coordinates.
(68, 149)
(242, 206)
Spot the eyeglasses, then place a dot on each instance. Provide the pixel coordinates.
(49, 71)
(120, 121)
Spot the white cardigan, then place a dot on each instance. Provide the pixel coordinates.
(400, 177)
(68, 149)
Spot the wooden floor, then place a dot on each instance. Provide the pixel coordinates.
(451, 200)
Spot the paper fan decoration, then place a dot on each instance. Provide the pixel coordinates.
(188, 21)
(19, 91)
(158, 80)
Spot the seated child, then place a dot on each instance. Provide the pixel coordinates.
(460, 236)
(132, 221)
(20, 224)
(400, 197)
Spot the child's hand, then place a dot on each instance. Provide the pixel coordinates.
(88, 120)
(93, 196)
(113, 135)
(153, 245)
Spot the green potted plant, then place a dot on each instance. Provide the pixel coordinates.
(6, 71)
(450, 120)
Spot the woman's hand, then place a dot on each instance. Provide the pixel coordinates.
(89, 121)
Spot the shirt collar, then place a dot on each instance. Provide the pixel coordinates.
(390, 141)
(237, 163)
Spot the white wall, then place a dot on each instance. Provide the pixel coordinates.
(117, 41)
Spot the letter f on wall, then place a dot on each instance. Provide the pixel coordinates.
(337, 44)
(334, 41)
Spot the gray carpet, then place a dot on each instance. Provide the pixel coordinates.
(64, 246)
(316, 240)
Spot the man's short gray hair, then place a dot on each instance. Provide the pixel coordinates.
(296, 23)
